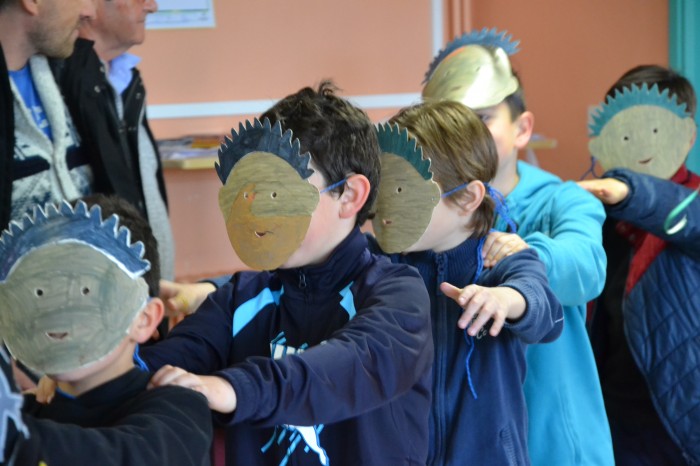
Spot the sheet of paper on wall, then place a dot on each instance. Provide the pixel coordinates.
(181, 14)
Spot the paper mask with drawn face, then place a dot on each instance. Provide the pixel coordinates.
(643, 130)
(473, 69)
(407, 193)
(70, 287)
(266, 199)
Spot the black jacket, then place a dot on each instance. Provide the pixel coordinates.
(110, 143)
(7, 142)
(119, 423)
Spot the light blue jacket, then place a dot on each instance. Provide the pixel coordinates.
(563, 223)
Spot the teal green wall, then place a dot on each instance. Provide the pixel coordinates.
(684, 54)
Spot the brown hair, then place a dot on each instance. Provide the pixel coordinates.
(460, 147)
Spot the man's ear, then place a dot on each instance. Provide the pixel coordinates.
(148, 319)
(475, 196)
(525, 124)
(30, 6)
(354, 195)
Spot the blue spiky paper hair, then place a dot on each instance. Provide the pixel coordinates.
(394, 140)
(485, 37)
(261, 137)
(53, 224)
(632, 96)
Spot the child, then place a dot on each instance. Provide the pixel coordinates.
(567, 420)
(483, 318)
(333, 345)
(76, 303)
(646, 322)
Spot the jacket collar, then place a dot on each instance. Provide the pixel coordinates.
(344, 264)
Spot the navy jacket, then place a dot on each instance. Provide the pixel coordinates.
(344, 347)
(478, 413)
(659, 313)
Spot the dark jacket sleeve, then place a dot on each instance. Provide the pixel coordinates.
(199, 344)
(168, 426)
(7, 142)
(649, 202)
(377, 356)
(543, 320)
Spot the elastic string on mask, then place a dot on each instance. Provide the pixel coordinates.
(468, 338)
(501, 207)
(333, 186)
(591, 170)
(454, 190)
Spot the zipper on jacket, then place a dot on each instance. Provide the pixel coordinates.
(302, 280)
(440, 365)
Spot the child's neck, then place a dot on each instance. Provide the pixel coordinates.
(507, 177)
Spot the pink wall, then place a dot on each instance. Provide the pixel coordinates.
(571, 51)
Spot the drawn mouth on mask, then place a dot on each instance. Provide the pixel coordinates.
(57, 336)
(645, 161)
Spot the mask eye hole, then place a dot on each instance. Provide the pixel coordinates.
(245, 195)
(273, 195)
(399, 189)
(655, 130)
(39, 292)
(85, 291)
(625, 138)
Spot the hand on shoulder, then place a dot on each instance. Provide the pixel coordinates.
(609, 191)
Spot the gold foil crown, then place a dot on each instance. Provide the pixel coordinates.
(473, 69)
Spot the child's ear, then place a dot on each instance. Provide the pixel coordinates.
(354, 195)
(146, 322)
(524, 127)
(475, 196)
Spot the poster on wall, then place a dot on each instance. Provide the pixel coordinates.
(179, 14)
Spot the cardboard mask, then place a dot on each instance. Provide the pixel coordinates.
(407, 194)
(643, 130)
(70, 287)
(266, 199)
(473, 69)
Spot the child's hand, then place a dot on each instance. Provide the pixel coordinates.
(218, 391)
(499, 245)
(183, 298)
(44, 390)
(608, 190)
(482, 304)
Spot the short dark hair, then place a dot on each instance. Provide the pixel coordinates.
(131, 217)
(460, 147)
(340, 137)
(516, 100)
(663, 77)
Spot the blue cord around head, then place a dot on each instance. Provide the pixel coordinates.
(591, 170)
(333, 186)
(468, 338)
(501, 207)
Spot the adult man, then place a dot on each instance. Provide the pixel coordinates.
(106, 97)
(39, 156)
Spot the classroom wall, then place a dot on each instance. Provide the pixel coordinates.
(571, 51)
